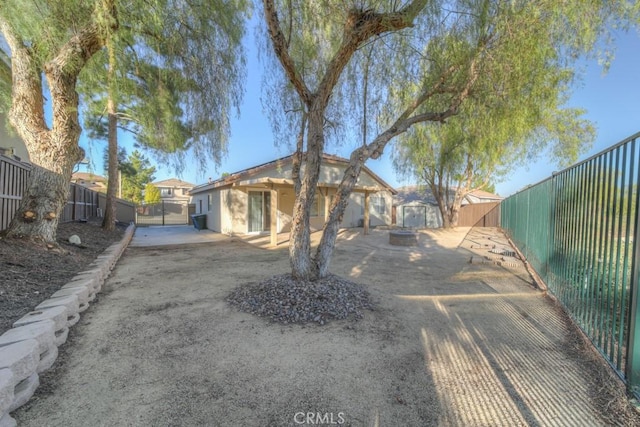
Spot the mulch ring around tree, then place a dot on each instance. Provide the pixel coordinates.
(286, 300)
(30, 272)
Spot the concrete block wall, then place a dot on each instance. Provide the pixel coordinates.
(31, 346)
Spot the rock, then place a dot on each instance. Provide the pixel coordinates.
(286, 300)
(75, 239)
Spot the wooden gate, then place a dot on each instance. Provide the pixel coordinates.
(163, 213)
(479, 215)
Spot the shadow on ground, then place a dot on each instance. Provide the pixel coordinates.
(451, 343)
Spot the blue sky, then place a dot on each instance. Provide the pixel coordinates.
(612, 101)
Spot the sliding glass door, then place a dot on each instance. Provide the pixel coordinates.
(259, 211)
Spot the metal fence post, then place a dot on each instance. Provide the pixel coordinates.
(633, 347)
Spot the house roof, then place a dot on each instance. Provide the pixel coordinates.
(243, 177)
(481, 194)
(86, 176)
(414, 194)
(173, 183)
(422, 194)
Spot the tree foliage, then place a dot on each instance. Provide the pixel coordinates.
(136, 172)
(151, 194)
(180, 65)
(409, 63)
(180, 72)
(492, 134)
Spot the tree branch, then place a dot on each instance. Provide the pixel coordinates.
(361, 26)
(280, 47)
(26, 98)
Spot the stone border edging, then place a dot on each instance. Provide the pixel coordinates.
(31, 346)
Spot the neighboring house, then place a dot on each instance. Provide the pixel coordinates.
(415, 206)
(11, 145)
(91, 181)
(174, 190)
(261, 199)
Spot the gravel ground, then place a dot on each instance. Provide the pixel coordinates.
(287, 300)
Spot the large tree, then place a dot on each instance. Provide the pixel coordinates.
(172, 75)
(137, 172)
(52, 40)
(422, 60)
(169, 81)
(492, 134)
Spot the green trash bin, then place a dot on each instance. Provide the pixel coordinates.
(199, 221)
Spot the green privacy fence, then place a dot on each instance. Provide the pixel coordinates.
(578, 229)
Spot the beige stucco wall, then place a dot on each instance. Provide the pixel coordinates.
(229, 213)
(329, 173)
(213, 215)
(200, 200)
(234, 211)
(286, 199)
(354, 213)
(11, 140)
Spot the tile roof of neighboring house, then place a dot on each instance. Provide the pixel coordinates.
(86, 176)
(245, 173)
(422, 194)
(481, 194)
(90, 181)
(173, 183)
(412, 194)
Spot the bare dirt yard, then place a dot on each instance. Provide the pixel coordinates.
(448, 343)
(29, 272)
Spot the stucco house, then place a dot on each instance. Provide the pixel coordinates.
(260, 199)
(414, 206)
(11, 145)
(174, 190)
(91, 181)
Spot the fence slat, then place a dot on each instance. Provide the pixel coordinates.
(82, 202)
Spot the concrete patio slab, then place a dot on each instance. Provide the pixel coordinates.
(173, 235)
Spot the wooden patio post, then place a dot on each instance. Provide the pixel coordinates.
(366, 212)
(274, 217)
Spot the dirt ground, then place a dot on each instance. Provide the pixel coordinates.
(30, 273)
(450, 343)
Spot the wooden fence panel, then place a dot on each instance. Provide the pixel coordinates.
(13, 183)
(82, 203)
(480, 215)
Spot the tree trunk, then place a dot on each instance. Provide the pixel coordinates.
(53, 152)
(302, 266)
(42, 204)
(109, 220)
(324, 251)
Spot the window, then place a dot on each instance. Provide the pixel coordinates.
(317, 206)
(208, 202)
(379, 205)
(164, 192)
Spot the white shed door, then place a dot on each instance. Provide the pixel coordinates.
(414, 216)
